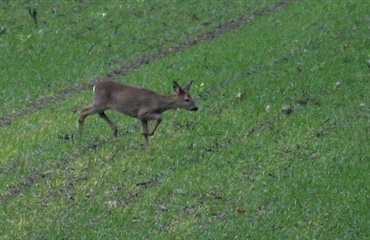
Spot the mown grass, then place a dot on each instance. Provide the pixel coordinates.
(234, 169)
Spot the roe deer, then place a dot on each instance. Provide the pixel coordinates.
(140, 103)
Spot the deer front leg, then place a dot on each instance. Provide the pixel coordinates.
(153, 117)
(158, 121)
(144, 131)
(144, 126)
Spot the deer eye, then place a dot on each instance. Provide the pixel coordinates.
(187, 99)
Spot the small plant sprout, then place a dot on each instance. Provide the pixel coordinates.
(268, 108)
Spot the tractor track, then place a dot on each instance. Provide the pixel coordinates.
(136, 64)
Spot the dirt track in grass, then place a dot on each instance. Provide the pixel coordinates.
(124, 70)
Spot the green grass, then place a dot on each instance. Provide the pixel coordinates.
(79, 42)
(231, 170)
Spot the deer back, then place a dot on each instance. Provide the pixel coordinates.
(134, 101)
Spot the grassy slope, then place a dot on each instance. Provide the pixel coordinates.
(231, 170)
(78, 42)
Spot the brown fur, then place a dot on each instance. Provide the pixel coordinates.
(140, 103)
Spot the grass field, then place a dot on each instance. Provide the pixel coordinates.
(279, 148)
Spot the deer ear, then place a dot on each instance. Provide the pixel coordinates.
(187, 86)
(177, 88)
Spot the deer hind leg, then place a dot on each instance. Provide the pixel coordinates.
(111, 124)
(85, 113)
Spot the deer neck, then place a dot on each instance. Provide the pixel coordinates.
(167, 102)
